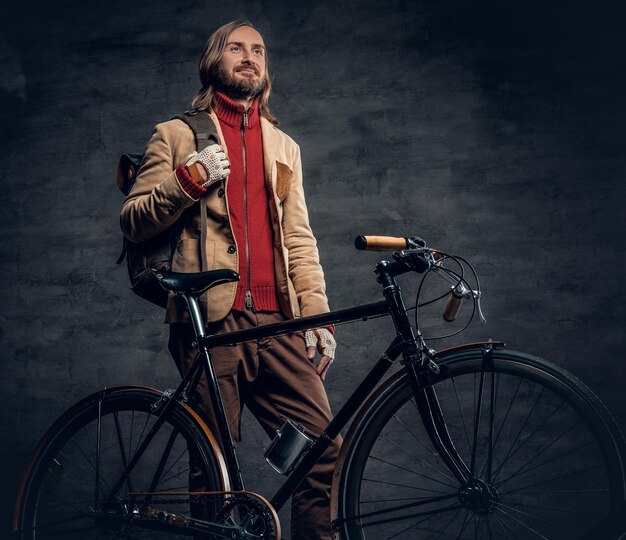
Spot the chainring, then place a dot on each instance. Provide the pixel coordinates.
(255, 516)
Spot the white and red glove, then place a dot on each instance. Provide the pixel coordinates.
(322, 340)
(214, 161)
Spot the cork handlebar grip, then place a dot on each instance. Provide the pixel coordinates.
(453, 306)
(380, 243)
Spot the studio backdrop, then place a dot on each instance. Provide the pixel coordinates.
(494, 130)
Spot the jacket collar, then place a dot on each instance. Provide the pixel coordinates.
(271, 141)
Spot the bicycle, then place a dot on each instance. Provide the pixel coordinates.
(473, 441)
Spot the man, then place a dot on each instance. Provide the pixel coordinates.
(246, 197)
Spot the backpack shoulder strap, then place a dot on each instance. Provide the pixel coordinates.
(205, 133)
(203, 127)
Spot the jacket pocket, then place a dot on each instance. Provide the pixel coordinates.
(187, 256)
(284, 176)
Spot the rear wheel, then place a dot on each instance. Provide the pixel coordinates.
(68, 492)
(544, 453)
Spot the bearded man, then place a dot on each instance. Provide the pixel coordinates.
(249, 192)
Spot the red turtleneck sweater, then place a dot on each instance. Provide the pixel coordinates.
(248, 204)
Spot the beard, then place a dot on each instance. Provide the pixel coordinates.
(228, 84)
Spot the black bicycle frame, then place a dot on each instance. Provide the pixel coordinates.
(405, 343)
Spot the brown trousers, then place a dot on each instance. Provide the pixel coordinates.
(274, 379)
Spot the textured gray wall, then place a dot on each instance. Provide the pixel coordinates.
(493, 129)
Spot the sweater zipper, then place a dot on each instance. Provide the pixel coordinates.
(248, 302)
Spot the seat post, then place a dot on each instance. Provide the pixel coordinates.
(196, 316)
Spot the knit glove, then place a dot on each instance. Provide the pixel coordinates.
(214, 161)
(322, 340)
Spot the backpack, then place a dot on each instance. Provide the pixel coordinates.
(156, 253)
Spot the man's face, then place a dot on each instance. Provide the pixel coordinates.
(241, 72)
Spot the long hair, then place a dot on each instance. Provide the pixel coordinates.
(209, 62)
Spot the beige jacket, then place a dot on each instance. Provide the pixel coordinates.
(157, 201)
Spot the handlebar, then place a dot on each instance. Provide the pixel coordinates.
(412, 250)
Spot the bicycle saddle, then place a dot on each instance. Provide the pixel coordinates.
(193, 283)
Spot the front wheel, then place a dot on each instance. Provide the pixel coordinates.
(68, 491)
(544, 455)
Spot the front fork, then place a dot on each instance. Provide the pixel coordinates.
(434, 421)
(418, 364)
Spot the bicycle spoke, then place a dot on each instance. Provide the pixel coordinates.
(422, 502)
(504, 526)
(465, 523)
(402, 485)
(488, 527)
(411, 527)
(527, 516)
(555, 491)
(522, 469)
(118, 431)
(413, 472)
(456, 394)
(476, 526)
(410, 516)
(183, 452)
(91, 464)
(550, 508)
(532, 434)
(372, 501)
(175, 476)
(516, 438)
(78, 446)
(130, 438)
(553, 479)
(399, 447)
(536, 533)
(450, 522)
(140, 439)
(508, 411)
(63, 534)
(64, 503)
(61, 521)
(429, 450)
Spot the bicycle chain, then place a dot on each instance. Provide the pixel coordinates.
(259, 505)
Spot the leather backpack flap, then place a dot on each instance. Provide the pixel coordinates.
(127, 169)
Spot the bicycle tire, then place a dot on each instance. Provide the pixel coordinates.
(557, 465)
(57, 497)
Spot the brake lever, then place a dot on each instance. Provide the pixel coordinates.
(415, 242)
